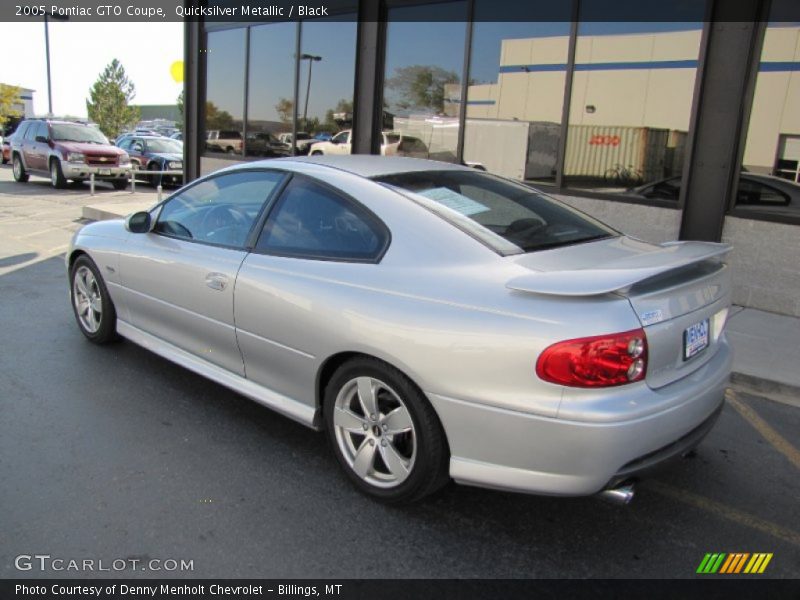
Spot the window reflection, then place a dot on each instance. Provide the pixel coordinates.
(327, 73)
(422, 89)
(225, 60)
(631, 102)
(516, 95)
(772, 147)
(270, 89)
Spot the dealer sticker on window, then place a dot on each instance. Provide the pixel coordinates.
(695, 339)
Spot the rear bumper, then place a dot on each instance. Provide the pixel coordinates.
(509, 450)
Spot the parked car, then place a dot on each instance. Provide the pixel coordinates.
(341, 143)
(65, 150)
(304, 141)
(764, 193)
(224, 141)
(156, 153)
(436, 321)
(7, 148)
(265, 144)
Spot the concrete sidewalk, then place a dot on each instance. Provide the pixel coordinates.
(766, 345)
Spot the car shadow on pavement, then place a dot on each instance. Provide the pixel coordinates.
(113, 447)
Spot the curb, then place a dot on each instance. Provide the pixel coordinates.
(773, 390)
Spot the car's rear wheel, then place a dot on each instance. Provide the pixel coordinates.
(316, 153)
(19, 169)
(120, 184)
(384, 432)
(57, 179)
(94, 311)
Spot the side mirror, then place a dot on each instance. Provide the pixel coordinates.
(138, 222)
(42, 139)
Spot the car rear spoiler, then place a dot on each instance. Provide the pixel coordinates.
(619, 274)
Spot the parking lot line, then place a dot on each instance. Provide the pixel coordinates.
(726, 512)
(775, 439)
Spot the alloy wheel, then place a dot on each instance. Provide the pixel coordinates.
(375, 432)
(87, 299)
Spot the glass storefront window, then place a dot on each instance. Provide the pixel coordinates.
(270, 105)
(632, 93)
(516, 95)
(422, 88)
(770, 179)
(224, 110)
(327, 79)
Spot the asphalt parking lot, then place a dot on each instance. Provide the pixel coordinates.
(112, 452)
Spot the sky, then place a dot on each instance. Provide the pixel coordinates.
(80, 51)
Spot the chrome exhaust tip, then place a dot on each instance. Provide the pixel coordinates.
(619, 495)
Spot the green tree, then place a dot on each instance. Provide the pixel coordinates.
(10, 98)
(179, 102)
(285, 110)
(420, 86)
(109, 103)
(218, 119)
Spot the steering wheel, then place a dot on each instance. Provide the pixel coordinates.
(525, 228)
(222, 221)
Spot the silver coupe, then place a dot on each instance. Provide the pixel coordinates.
(438, 322)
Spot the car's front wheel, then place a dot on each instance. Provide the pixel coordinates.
(384, 432)
(19, 169)
(91, 303)
(57, 179)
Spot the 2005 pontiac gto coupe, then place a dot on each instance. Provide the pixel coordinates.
(436, 321)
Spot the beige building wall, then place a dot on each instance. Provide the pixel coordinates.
(776, 101)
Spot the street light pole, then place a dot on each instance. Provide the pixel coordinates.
(311, 59)
(47, 52)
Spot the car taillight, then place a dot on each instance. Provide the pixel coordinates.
(598, 361)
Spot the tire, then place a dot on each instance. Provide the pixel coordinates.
(5, 160)
(155, 180)
(20, 175)
(366, 447)
(120, 184)
(316, 153)
(57, 179)
(91, 304)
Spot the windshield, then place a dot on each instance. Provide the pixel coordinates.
(516, 213)
(165, 145)
(67, 132)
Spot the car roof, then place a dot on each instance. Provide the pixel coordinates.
(370, 165)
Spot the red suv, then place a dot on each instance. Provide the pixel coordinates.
(65, 150)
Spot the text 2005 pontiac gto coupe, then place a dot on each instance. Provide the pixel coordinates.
(436, 321)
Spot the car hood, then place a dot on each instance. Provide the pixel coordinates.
(606, 265)
(90, 148)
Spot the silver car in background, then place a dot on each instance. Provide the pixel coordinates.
(436, 321)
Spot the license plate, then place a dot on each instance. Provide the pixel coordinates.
(105, 172)
(695, 339)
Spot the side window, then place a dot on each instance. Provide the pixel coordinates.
(341, 138)
(311, 221)
(220, 210)
(30, 134)
(137, 145)
(125, 144)
(751, 192)
(42, 130)
(21, 131)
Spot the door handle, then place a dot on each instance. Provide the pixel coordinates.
(217, 281)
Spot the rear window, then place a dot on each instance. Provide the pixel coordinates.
(509, 217)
